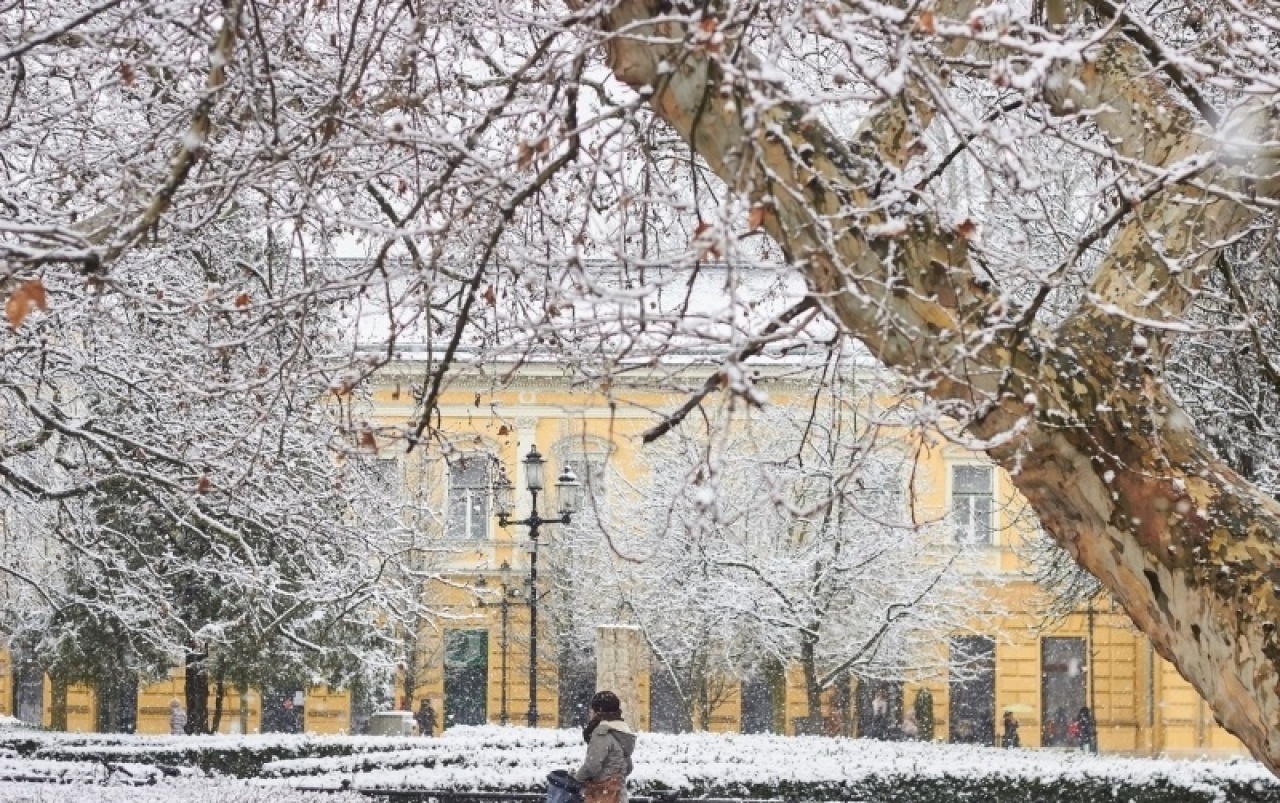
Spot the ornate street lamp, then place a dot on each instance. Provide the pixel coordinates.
(568, 490)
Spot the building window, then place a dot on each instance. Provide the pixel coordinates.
(971, 504)
(469, 497)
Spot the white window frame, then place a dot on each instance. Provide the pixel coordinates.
(963, 527)
(470, 530)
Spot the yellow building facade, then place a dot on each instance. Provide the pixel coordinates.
(472, 660)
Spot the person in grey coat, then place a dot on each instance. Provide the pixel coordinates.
(610, 744)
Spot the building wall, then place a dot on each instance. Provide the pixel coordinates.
(1140, 702)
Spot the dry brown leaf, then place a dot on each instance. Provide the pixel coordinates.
(709, 249)
(490, 296)
(504, 430)
(395, 394)
(242, 300)
(926, 22)
(203, 485)
(29, 294)
(127, 74)
(368, 442)
(756, 219)
(967, 228)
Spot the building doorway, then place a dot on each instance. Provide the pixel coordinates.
(667, 710)
(283, 708)
(466, 677)
(1063, 685)
(28, 692)
(576, 687)
(972, 669)
(118, 704)
(758, 704)
(878, 709)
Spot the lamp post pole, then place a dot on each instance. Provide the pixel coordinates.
(533, 613)
(503, 718)
(568, 488)
(504, 640)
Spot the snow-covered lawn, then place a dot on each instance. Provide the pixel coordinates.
(518, 759)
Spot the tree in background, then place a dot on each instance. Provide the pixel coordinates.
(781, 537)
(923, 710)
(200, 505)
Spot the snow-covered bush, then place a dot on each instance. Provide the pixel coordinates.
(803, 768)
(238, 756)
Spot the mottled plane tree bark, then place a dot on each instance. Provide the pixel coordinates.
(1076, 411)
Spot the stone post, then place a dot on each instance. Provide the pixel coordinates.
(622, 666)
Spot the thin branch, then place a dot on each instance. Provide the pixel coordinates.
(1155, 52)
(713, 382)
(895, 612)
(1259, 348)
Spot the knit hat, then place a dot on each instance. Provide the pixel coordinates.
(606, 702)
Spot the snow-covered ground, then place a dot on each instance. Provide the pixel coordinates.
(518, 759)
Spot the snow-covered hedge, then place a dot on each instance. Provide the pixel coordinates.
(807, 768)
(203, 790)
(723, 765)
(238, 756)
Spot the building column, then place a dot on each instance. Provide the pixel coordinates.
(526, 436)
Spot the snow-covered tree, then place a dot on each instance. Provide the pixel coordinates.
(1019, 207)
(786, 537)
(201, 501)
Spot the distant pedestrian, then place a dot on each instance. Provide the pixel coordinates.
(1010, 738)
(1058, 732)
(1086, 728)
(177, 719)
(878, 727)
(910, 728)
(426, 718)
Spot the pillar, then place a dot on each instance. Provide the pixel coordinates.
(622, 666)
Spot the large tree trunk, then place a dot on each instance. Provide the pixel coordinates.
(196, 691)
(1077, 415)
(59, 688)
(219, 699)
(242, 690)
(812, 688)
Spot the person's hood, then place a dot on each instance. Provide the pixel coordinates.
(626, 738)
